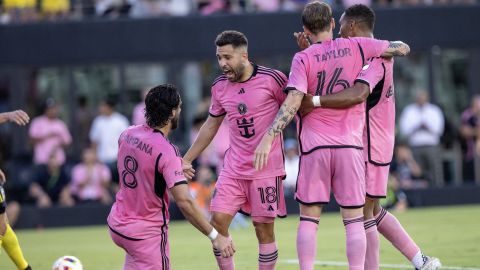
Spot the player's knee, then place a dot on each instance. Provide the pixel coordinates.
(265, 232)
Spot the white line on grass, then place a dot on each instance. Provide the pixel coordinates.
(398, 266)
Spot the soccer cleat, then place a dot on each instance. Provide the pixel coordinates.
(430, 263)
(28, 268)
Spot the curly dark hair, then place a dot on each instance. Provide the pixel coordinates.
(159, 103)
(363, 14)
(231, 37)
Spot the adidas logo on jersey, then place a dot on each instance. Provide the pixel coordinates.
(242, 91)
(270, 208)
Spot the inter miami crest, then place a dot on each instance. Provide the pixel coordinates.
(242, 108)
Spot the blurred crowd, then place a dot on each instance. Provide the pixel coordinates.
(54, 10)
(52, 177)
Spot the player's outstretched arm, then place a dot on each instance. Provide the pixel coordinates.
(284, 116)
(205, 136)
(193, 214)
(349, 97)
(19, 117)
(3, 179)
(396, 48)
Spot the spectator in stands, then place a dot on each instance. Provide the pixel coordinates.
(138, 117)
(422, 124)
(83, 121)
(20, 10)
(91, 179)
(266, 5)
(51, 185)
(405, 169)
(112, 8)
(396, 198)
(291, 166)
(50, 135)
(470, 131)
(55, 9)
(202, 187)
(104, 135)
(208, 7)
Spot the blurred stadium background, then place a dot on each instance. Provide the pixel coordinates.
(76, 60)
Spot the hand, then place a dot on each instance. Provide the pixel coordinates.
(44, 201)
(302, 40)
(307, 105)
(3, 179)
(188, 170)
(262, 152)
(224, 245)
(19, 117)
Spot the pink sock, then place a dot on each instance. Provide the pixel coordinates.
(356, 242)
(224, 263)
(372, 257)
(390, 227)
(307, 242)
(267, 256)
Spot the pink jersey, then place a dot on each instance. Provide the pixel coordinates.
(379, 132)
(251, 107)
(88, 183)
(52, 136)
(326, 68)
(148, 164)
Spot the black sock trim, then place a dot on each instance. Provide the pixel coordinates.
(309, 219)
(351, 221)
(380, 217)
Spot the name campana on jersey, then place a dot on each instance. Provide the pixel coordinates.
(333, 54)
(139, 144)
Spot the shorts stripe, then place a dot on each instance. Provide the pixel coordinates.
(381, 216)
(216, 252)
(163, 244)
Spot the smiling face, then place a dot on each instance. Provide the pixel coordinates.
(232, 61)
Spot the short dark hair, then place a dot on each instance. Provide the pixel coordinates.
(316, 16)
(159, 103)
(362, 13)
(231, 37)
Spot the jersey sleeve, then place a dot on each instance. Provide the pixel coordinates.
(371, 47)
(278, 90)
(298, 75)
(216, 109)
(171, 169)
(372, 73)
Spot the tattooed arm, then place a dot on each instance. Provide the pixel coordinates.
(396, 48)
(284, 116)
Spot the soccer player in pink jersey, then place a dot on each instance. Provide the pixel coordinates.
(249, 96)
(374, 85)
(330, 139)
(148, 165)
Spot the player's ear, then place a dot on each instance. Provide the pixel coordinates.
(332, 23)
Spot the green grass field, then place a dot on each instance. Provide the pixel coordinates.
(450, 233)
